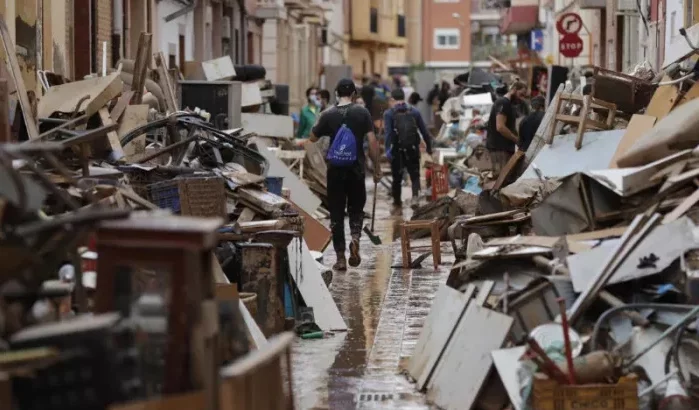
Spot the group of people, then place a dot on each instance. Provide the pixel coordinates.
(361, 112)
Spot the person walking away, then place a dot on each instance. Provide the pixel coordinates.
(367, 93)
(404, 124)
(347, 124)
(406, 86)
(501, 139)
(529, 125)
(324, 99)
(414, 99)
(309, 113)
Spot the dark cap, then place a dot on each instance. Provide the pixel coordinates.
(345, 87)
(415, 97)
(398, 94)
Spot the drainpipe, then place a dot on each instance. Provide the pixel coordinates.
(118, 29)
(243, 40)
(181, 12)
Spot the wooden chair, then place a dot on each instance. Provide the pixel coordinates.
(407, 227)
(440, 181)
(582, 120)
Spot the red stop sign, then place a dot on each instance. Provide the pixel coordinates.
(570, 45)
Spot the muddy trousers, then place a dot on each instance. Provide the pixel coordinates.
(409, 161)
(346, 191)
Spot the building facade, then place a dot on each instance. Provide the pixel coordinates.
(372, 27)
(446, 33)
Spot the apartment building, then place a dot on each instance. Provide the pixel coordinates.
(291, 43)
(446, 33)
(372, 28)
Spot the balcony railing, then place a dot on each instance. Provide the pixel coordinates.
(500, 51)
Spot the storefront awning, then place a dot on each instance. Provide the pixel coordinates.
(519, 19)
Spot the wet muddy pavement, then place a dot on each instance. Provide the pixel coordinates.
(384, 309)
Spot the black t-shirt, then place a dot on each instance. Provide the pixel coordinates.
(367, 93)
(527, 129)
(357, 119)
(496, 141)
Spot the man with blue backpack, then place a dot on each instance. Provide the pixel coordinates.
(347, 124)
(404, 125)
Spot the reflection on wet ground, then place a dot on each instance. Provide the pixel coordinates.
(384, 309)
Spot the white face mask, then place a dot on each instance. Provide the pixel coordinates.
(314, 99)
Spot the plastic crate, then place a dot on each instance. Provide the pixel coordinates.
(193, 196)
(440, 181)
(549, 395)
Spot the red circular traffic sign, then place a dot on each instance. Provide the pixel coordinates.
(569, 23)
(570, 45)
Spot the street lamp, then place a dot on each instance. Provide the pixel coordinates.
(457, 16)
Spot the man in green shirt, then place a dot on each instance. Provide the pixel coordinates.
(309, 113)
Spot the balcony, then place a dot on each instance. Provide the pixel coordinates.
(270, 9)
(499, 51)
(485, 10)
(521, 17)
(314, 14)
(375, 22)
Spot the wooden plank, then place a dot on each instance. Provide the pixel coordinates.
(506, 362)
(134, 117)
(316, 235)
(112, 136)
(300, 193)
(594, 235)
(447, 308)
(484, 292)
(509, 168)
(467, 362)
(121, 105)
(681, 209)
(67, 97)
(306, 276)
(664, 100)
(639, 125)
(141, 65)
(246, 215)
(5, 135)
(268, 125)
(165, 83)
(16, 74)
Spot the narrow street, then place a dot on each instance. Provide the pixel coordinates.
(384, 309)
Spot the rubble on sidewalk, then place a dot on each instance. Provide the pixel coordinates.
(586, 261)
(166, 225)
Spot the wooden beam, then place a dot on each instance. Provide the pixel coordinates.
(5, 135)
(165, 83)
(140, 68)
(16, 73)
(112, 136)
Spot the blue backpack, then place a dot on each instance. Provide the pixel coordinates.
(343, 150)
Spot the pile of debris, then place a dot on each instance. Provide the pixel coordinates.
(174, 233)
(579, 277)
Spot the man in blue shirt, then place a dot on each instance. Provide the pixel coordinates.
(404, 125)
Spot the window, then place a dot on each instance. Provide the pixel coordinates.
(374, 20)
(447, 38)
(401, 25)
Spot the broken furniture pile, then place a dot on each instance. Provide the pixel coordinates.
(143, 240)
(575, 286)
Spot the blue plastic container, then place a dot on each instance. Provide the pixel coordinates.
(274, 185)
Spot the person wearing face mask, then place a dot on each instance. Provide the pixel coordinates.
(324, 99)
(309, 113)
(501, 139)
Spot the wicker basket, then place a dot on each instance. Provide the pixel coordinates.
(194, 196)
